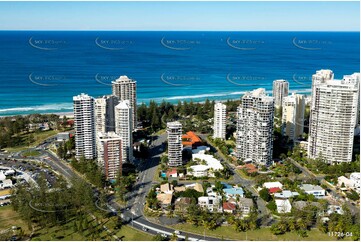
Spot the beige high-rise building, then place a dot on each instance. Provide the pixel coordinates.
(123, 127)
(280, 90)
(110, 154)
(126, 89)
(219, 121)
(293, 112)
(84, 123)
(174, 130)
(333, 119)
(104, 113)
(254, 139)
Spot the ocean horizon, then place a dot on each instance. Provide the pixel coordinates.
(42, 70)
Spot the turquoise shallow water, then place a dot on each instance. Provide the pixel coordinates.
(41, 71)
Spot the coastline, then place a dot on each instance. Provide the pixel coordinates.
(70, 114)
(60, 114)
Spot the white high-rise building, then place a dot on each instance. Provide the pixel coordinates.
(104, 113)
(355, 77)
(174, 130)
(110, 154)
(321, 76)
(333, 119)
(123, 127)
(293, 112)
(126, 89)
(280, 90)
(219, 122)
(84, 123)
(255, 127)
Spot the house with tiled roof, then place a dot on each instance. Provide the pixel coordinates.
(229, 207)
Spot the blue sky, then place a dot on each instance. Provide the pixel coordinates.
(213, 16)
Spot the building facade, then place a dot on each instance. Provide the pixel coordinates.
(110, 154)
(219, 121)
(280, 90)
(126, 89)
(104, 113)
(333, 119)
(123, 127)
(321, 76)
(293, 112)
(356, 77)
(84, 124)
(174, 131)
(254, 139)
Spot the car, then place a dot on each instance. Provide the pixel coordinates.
(164, 235)
(144, 229)
(177, 232)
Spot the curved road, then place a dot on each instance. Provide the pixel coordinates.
(133, 212)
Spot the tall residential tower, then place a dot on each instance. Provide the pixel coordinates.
(293, 112)
(123, 127)
(126, 89)
(104, 113)
(333, 119)
(255, 127)
(84, 122)
(280, 90)
(174, 130)
(110, 154)
(219, 121)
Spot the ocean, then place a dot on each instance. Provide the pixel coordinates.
(40, 71)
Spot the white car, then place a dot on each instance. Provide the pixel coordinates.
(177, 232)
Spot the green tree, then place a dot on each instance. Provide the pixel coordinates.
(264, 194)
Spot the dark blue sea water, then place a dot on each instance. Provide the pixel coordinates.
(41, 71)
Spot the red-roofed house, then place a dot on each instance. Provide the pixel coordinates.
(70, 122)
(229, 207)
(172, 172)
(274, 189)
(191, 139)
(250, 168)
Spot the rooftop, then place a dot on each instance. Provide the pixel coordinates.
(234, 191)
(272, 184)
(196, 186)
(164, 198)
(191, 139)
(210, 160)
(286, 194)
(274, 189)
(229, 206)
(246, 202)
(123, 79)
(166, 187)
(310, 187)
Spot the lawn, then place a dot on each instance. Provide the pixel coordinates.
(228, 232)
(66, 232)
(156, 177)
(244, 176)
(9, 218)
(127, 233)
(38, 138)
(32, 153)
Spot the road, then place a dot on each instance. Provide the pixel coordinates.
(133, 212)
(245, 183)
(137, 197)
